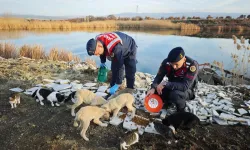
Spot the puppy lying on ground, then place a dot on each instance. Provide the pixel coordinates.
(116, 104)
(181, 120)
(88, 113)
(87, 97)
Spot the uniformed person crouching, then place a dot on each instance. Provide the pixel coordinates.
(121, 50)
(182, 78)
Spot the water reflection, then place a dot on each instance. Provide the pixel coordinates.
(154, 45)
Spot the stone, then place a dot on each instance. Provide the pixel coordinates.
(101, 94)
(242, 111)
(215, 113)
(16, 89)
(227, 116)
(89, 84)
(150, 128)
(60, 81)
(59, 87)
(117, 120)
(48, 80)
(220, 121)
(102, 88)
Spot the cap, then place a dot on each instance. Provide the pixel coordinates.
(176, 54)
(91, 46)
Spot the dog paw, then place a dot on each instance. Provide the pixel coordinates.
(73, 114)
(37, 100)
(41, 103)
(57, 104)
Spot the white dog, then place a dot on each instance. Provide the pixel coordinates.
(87, 97)
(88, 113)
(116, 104)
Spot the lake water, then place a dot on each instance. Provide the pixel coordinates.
(153, 47)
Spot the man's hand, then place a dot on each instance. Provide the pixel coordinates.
(159, 88)
(113, 89)
(150, 92)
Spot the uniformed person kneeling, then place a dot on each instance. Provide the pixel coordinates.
(120, 49)
(182, 78)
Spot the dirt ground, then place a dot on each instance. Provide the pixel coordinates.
(32, 126)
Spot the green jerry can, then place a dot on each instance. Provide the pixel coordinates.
(102, 74)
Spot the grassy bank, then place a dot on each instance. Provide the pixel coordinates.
(23, 24)
(9, 50)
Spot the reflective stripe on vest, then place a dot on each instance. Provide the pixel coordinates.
(109, 40)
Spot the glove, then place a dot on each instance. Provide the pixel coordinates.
(113, 89)
(102, 65)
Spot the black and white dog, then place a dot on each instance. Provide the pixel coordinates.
(45, 94)
(72, 97)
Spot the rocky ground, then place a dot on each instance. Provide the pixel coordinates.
(32, 126)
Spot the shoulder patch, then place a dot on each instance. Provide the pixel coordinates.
(192, 68)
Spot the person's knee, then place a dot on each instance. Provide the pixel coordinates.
(174, 95)
(177, 98)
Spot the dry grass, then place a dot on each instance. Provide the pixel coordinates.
(90, 61)
(62, 55)
(22, 24)
(241, 62)
(33, 52)
(8, 50)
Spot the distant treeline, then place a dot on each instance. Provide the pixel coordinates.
(139, 18)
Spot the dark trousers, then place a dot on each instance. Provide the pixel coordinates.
(130, 69)
(177, 97)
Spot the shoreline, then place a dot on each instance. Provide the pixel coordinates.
(24, 24)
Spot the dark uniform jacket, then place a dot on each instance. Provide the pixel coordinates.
(182, 79)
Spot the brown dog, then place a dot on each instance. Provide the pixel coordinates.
(116, 104)
(87, 97)
(88, 113)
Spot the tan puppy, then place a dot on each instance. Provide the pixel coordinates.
(116, 104)
(87, 97)
(88, 113)
(126, 90)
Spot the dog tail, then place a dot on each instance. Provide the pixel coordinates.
(34, 94)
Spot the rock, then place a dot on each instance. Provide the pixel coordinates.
(16, 89)
(242, 111)
(60, 87)
(117, 120)
(48, 80)
(102, 88)
(220, 121)
(60, 81)
(227, 116)
(89, 84)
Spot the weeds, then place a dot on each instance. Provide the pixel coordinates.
(8, 50)
(240, 62)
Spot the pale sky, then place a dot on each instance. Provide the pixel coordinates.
(106, 7)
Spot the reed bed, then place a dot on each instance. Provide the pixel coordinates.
(9, 50)
(241, 61)
(23, 24)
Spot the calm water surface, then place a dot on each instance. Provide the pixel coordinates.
(152, 47)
